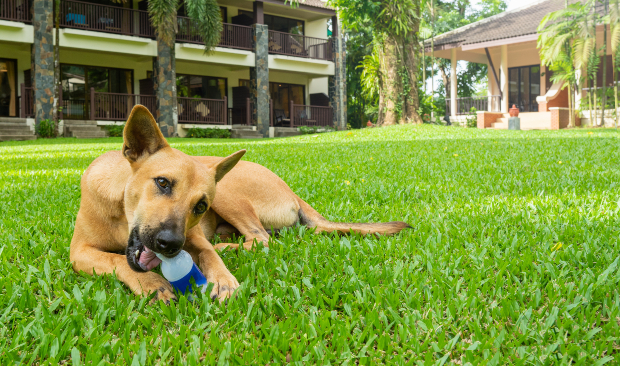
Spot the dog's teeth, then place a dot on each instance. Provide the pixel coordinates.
(137, 253)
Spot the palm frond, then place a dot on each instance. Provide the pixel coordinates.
(206, 18)
(163, 15)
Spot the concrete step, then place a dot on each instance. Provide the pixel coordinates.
(13, 124)
(74, 122)
(88, 134)
(82, 128)
(16, 131)
(12, 120)
(17, 137)
(243, 127)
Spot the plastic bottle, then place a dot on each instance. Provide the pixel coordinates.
(180, 269)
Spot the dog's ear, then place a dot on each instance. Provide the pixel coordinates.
(226, 164)
(141, 134)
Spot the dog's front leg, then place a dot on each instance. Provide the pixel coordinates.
(87, 258)
(211, 264)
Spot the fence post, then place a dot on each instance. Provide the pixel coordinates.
(22, 102)
(291, 114)
(248, 116)
(92, 104)
(225, 110)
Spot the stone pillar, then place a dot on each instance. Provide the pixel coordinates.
(166, 91)
(259, 80)
(43, 59)
(453, 91)
(337, 82)
(504, 78)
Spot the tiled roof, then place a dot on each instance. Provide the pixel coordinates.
(515, 23)
(315, 3)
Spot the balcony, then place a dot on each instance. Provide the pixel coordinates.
(300, 46)
(104, 18)
(464, 105)
(232, 36)
(15, 10)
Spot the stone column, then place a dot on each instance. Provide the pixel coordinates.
(453, 91)
(337, 82)
(166, 91)
(43, 59)
(259, 80)
(504, 78)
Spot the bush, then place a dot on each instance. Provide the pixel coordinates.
(46, 128)
(208, 133)
(307, 130)
(472, 118)
(114, 130)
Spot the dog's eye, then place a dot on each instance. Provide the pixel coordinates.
(201, 207)
(163, 183)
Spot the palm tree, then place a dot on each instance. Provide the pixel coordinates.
(584, 51)
(206, 21)
(614, 23)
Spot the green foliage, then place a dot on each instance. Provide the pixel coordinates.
(307, 130)
(46, 128)
(358, 45)
(214, 133)
(513, 258)
(114, 130)
(472, 118)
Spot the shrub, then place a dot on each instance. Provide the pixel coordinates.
(472, 118)
(114, 130)
(307, 130)
(46, 128)
(213, 133)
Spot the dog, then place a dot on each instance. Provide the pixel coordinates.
(150, 198)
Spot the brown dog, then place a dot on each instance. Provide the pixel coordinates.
(151, 198)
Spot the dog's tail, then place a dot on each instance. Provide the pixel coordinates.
(310, 217)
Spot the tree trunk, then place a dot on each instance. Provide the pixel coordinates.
(393, 86)
(411, 52)
(604, 96)
(57, 83)
(166, 87)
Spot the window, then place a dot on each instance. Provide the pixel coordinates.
(76, 83)
(8, 88)
(208, 87)
(183, 13)
(524, 87)
(279, 24)
(282, 94)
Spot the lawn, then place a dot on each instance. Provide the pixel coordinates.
(512, 259)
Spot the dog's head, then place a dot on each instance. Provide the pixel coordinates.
(167, 194)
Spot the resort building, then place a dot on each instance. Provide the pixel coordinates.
(276, 67)
(507, 44)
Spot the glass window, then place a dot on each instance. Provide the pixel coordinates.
(524, 87)
(282, 94)
(8, 88)
(208, 87)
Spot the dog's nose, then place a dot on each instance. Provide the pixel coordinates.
(167, 241)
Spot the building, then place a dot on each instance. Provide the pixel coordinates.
(108, 52)
(507, 44)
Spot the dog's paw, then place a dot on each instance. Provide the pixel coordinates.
(224, 286)
(165, 294)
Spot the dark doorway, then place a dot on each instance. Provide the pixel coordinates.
(524, 87)
(8, 88)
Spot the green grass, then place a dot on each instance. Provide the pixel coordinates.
(512, 259)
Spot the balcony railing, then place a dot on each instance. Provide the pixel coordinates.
(310, 115)
(232, 36)
(465, 104)
(243, 115)
(300, 46)
(105, 18)
(15, 10)
(117, 106)
(203, 111)
(26, 102)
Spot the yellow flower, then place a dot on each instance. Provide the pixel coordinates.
(350, 133)
(456, 154)
(362, 181)
(589, 133)
(347, 182)
(557, 246)
(560, 162)
(481, 143)
(372, 158)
